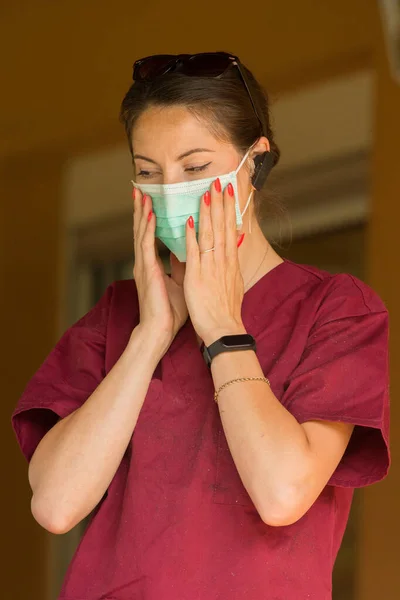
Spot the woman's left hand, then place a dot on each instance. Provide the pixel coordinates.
(213, 283)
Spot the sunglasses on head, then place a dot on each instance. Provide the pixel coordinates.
(205, 64)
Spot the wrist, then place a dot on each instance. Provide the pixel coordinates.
(213, 335)
(152, 343)
(239, 362)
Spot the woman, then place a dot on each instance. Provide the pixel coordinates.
(246, 496)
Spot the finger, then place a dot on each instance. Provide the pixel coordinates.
(231, 250)
(192, 247)
(206, 235)
(148, 240)
(218, 219)
(144, 207)
(138, 226)
(160, 263)
(135, 195)
(158, 257)
(177, 269)
(137, 198)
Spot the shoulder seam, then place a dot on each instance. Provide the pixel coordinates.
(310, 272)
(353, 279)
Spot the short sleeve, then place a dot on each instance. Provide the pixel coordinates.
(343, 376)
(67, 377)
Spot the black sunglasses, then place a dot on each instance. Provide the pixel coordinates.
(205, 64)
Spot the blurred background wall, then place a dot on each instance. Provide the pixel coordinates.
(66, 214)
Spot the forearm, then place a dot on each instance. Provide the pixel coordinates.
(76, 460)
(268, 445)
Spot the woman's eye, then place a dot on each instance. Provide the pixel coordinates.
(198, 169)
(144, 174)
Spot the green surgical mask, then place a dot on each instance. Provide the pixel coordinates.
(174, 203)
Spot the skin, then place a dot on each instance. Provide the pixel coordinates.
(284, 465)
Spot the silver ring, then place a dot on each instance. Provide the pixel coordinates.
(209, 250)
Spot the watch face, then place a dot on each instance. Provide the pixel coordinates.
(237, 340)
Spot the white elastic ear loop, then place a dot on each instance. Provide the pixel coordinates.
(251, 193)
(243, 161)
(246, 207)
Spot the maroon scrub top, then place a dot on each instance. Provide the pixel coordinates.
(176, 521)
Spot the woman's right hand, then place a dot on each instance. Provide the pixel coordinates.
(162, 304)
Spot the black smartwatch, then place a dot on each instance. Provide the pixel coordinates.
(228, 343)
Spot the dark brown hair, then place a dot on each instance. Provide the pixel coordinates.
(223, 103)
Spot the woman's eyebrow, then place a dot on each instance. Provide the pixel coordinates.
(180, 157)
(144, 158)
(189, 152)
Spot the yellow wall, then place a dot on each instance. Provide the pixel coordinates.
(30, 263)
(379, 572)
(71, 61)
(69, 65)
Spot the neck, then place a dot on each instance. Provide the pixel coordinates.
(256, 255)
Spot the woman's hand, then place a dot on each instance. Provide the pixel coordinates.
(213, 282)
(161, 299)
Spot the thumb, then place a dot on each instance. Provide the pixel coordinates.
(177, 269)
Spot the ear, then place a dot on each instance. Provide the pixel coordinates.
(262, 145)
(263, 162)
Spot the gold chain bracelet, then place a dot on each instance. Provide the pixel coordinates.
(240, 379)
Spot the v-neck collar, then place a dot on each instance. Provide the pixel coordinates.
(261, 298)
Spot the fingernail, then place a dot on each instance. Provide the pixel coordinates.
(191, 222)
(150, 215)
(230, 189)
(240, 240)
(217, 184)
(144, 199)
(133, 193)
(207, 198)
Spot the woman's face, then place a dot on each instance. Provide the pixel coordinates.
(171, 145)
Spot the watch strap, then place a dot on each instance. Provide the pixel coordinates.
(228, 343)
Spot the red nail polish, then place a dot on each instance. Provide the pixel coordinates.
(207, 198)
(150, 215)
(144, 199)
(133, 193)
(217, 185)
(230, 189)
(191, 222)
(240, 240)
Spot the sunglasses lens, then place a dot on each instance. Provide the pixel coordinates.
(151, 67)
(207, 65)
